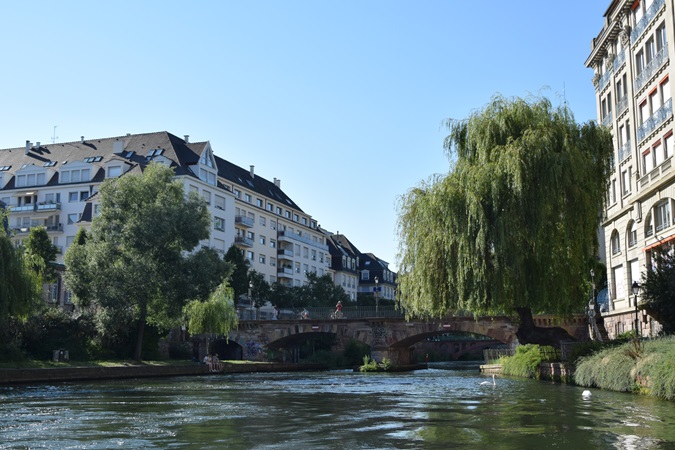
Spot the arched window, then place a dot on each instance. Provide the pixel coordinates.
(649, 230)
(632, 234)
(662, 214)
(616, 242)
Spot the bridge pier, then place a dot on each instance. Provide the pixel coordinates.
(397, 356)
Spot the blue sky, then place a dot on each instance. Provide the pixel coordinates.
(343, 101)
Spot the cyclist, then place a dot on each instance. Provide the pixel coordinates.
(338, 309)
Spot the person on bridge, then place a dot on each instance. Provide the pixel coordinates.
(338, 307)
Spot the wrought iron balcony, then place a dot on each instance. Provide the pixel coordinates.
(650, 69)
(624, 150)
(641, 26)
(619, 60)
(607, 120)
(656, 119)
(604, 79)
(621, 105)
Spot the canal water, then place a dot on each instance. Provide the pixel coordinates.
(439, 408)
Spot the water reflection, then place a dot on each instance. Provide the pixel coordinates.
(435, 408)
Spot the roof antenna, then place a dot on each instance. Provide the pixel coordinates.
(54, 136)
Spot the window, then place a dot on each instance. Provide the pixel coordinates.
(273, 243)
(648, 225)
(72, 197)
(279, 211)
(250, 235)
(263, 240)
(296, 218)
(662, 212)
(249, 255)
(661, 40)
(219, 224)
(114, 171)
(639, 62)
(632, 235)
(288, 214)
(658, 154)
(616, 243)
(32, 179)
(273, 225)
(74, 176)
(625, 180)
(273, 262)
(237, 193)
(270, 207)
(259, 202)
(365, 275)
(247, 198)
(668, 146)
(263, 221)
(84, 195)
(648, 161)
(650, 50)
(73, 218)
(219, 202)
(261, 259)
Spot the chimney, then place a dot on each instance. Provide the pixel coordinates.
(27, 147)
(118, 147)
(187, 138)
(277, 183)
(252, 172)
(37, 144)
(82, 139)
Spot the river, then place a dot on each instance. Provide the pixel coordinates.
(442, 407)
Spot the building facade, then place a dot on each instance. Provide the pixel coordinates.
(344, 263)
(631, 58)
(55, 186)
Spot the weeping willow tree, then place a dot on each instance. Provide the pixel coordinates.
(217, 315)
(513, 225)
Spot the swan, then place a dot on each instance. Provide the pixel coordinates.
(487, 383)
(586, 395)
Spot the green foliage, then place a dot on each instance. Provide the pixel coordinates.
(658, 289)
(135, 266)
(20, 286)
(373, 366)
(260, 292)
(239, 277)
(217, 315)
(354, 352)
(608, 369)
(514, 222)
(525, 362)
(56, 329)
(320, 291)
(39, 249)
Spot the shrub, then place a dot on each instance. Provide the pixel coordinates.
(525, 362)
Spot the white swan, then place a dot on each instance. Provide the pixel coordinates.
(586, 395)
(487, 383)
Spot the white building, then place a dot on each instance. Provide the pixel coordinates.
(631, 61)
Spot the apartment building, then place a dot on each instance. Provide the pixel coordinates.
(344, 263)
(376, 277)
(277, 238)
(631, 58)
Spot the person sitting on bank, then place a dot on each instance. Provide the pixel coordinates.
(217, 365)
(209, 362)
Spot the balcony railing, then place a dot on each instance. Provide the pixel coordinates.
(48, 206)
(244, 241)
(297, 237)
(282, 271)
(621, 105)
(656, 119)
(607, 120)
(282, 252)
(244, 221)
(619, 60)
(605, 79)
(650, 69)
(24, 208)
(55, 227)
(641, 26)
(624, 150)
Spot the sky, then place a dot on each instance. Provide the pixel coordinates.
(343, 101)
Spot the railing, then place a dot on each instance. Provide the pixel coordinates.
(284, 252)
(24, 208)
(619, 60)
(297, 237)
(624, 150)
(607, 120)
(243, 220)
(241, 240)
(656, 119)
(48, 206)
(641, 26)
(604, 79)
(621, 105)
(285, 270)
(650, 69)
(55, 227)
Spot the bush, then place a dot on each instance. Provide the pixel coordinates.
(57, 329)
(635, 366)
(525, 362)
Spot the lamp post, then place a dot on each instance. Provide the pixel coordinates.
(250, 299)
(377, 298)
(636, 290)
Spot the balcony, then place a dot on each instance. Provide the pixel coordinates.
(607, 120)
(619, 61)
(243, 241)
(22, 209)
(621, 105)
(624, 151)
(54, 227)
(291, 237)
(656, 119)
(48, 206)
(651, 68)
(641, 26)
(283, 253)
(243, 221)
(604, 80)
(285, 272)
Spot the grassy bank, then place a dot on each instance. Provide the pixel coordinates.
(644, 367)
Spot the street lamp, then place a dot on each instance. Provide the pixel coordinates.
(377, 298)
(636, 290)
(250, 299)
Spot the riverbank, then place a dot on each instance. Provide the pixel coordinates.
(74, 373)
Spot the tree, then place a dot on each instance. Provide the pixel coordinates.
(20, 286)
(134, 266)
(512, 226)
(239, 279)
(658, 289)
(217, 315)
(321, 291)
(40, 250)
(260, 289)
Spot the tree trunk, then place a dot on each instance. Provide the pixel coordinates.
(529, 333)
(138, 351)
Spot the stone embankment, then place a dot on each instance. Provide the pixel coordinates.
(58, 374)
(548, 371)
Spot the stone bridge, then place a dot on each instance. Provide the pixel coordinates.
(390, 338)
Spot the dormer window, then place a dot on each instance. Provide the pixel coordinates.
(92, 159)
(75, 175)
(114, 171)
(31, 179)
(155, 152)
(49, 164)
